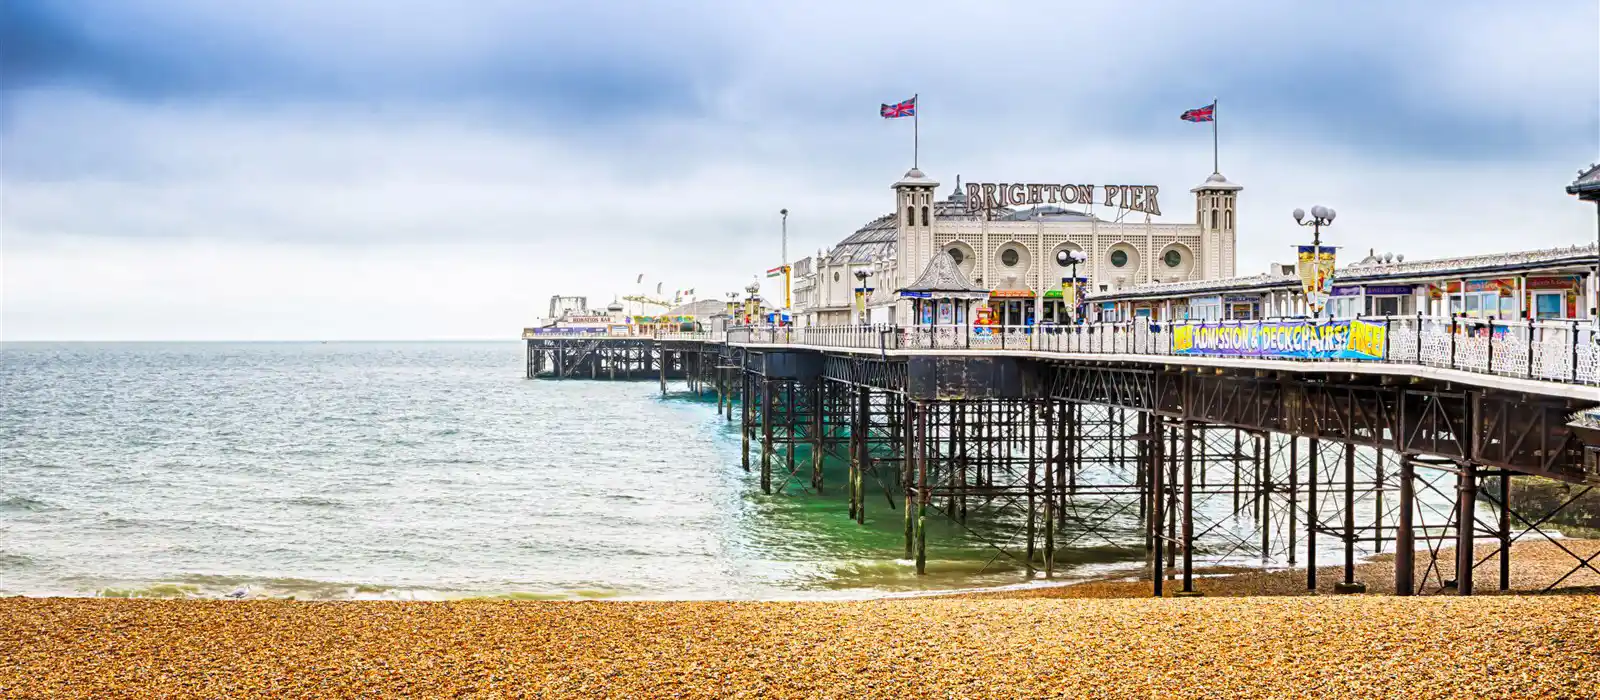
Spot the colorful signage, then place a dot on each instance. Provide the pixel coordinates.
(1315, 267)
(1011, 294)
(1344, 340)
(990, 195)
(1389, 290)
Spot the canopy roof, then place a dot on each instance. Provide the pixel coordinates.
(942, 279)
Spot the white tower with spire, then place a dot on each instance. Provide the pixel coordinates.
(1216, 202)
(914, 212)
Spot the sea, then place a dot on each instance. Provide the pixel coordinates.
(428, 470)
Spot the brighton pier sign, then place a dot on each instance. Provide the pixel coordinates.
(1141, 198)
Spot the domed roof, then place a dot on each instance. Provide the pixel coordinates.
(1045, 212)
(615, 306)
(1217, 182)
(876, 239)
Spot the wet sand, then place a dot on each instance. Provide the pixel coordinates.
(1079, 641)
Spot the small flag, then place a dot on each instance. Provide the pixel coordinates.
(640, 280)
(690, 292)
(775, 272)
(658, 287)
(907, 108)
(1200, 114)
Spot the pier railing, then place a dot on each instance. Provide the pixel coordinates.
(1552, 350)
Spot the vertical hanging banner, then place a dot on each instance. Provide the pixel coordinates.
(1315, 267)
(1299, 340)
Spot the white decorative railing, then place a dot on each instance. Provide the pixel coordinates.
(689, 335)
(1553, 350)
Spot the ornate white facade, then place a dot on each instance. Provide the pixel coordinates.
(1012, 251)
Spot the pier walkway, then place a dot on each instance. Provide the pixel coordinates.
(1275, 441)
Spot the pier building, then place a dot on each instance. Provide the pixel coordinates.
(1193, 419)
(1006, 237)
(1536, 285)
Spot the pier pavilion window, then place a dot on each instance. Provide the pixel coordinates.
(1119, 258)
(924, 216)
(1008, 257)
(1549, 305)
(911, 216)
(957, 255)
(1172, 258)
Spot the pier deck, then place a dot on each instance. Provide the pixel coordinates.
(1104, 436)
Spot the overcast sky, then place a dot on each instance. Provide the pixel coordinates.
(398, 169)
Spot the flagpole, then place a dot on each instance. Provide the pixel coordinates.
(1214, 168)
(916, 113)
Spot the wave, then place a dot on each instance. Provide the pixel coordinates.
(314, 502)
(11, 562)
(209, 586)
(23, 503)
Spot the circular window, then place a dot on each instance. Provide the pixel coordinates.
(1173, 258)
(957, 255)
(836, 276)
(1008, 257)
(1119, 258)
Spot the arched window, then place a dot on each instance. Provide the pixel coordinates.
(911, 216)
(1213, 218)
(1227, 217)
(924, 216)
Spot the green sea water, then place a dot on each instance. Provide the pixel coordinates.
(429, 471)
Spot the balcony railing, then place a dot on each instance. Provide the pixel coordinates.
(1553, 350)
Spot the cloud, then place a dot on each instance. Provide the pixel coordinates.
(562, 147)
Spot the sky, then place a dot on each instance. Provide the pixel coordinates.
(382, 169)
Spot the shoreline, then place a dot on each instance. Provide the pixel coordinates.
(1530, 561)
(1253, 635)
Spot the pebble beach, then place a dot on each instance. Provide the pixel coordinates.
(1094, 640)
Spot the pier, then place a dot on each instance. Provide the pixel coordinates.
(1103, 434)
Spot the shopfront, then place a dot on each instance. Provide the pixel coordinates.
(1012, 307)
(1554, 296)
(1389, 300)
(1205, 308)
(1496, 298)
(1242, 307)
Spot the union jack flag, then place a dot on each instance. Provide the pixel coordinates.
(1200, 114)
(907, 108)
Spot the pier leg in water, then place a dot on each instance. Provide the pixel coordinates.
(864, 461)
(855, 456)
(663, 373)
(1188, 511)
(922, 491)
(1031, 410)
(766, 435)
(908, 450)
(744, 419)
(1156, 467)
(817, 404)
(1049, 489)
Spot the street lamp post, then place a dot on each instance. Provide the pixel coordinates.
(752, 307)
(1070, 259)
(1320, 216)
(861, 287)
(785, 214)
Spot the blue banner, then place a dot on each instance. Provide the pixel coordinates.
(1330, 340)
